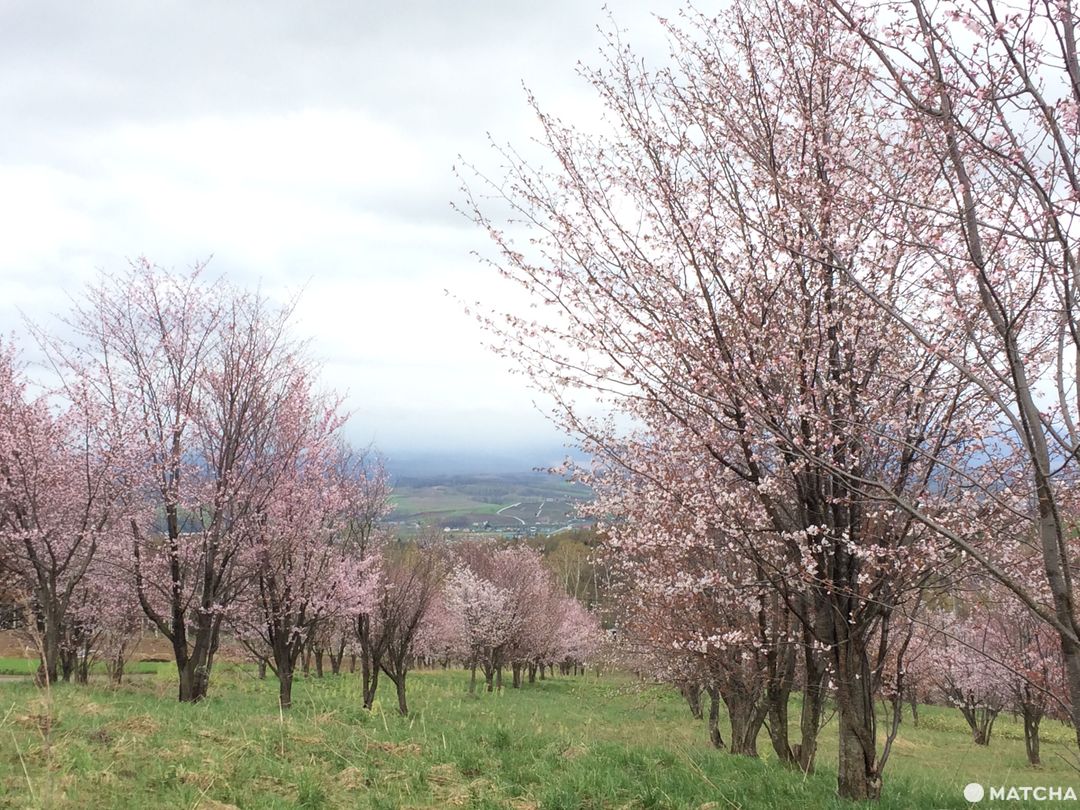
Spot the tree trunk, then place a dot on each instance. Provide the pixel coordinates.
(516, 680)
(285, 682)
(193, 681)
(403, 706)
(498, 677)
(262, 669)
(82, 670)
(369, 676)
(1032, 718)
(532, 673)
(714, 718)
(813, 700)
(50, 664)
(194, 667)
(692, 693)
(318, 663)
(857, 777)
(776, 702)
(980, 719)
(746, 717)
(116, 670)
(194, 673)
(336, 659)
(472, 679)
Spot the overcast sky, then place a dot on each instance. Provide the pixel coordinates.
(303, 145)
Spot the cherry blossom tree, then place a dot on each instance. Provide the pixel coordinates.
(968, 677)
(304, 576)
(197, 371)
(408, 592)
(694, 271)
(484, 621)
(503, 607)
(106, 623)
(1011, 660)
(58, 502)
(982, 99)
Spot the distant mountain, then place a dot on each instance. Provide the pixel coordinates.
(443, 464)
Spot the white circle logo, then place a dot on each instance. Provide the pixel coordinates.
(974, 792)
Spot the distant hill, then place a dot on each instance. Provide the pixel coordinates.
(414, 464)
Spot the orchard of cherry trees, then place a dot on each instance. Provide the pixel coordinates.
(184, 474)
(821, 270)
(820, 273)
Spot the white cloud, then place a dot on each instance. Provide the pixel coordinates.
(304, 146)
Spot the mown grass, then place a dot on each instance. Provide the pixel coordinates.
(562, 744)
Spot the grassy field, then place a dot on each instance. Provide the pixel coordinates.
(27, 667)
(563, 743)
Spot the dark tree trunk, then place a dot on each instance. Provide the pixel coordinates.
(193, 666)
(857, 778)
(980, 718)
(532, 673)
(813, 701)
(262, 669)
(714, 718)
(1032, 719)
(116, 670)
(746, 716)
(691, 691)
(318, 663)
(337, 658)
(82, 669)
(285, 682)
(516, 678)
(369, 676)
(50, 665)
(69, 664)
(193, 669)
(403, 706)
(776, 702)
(472, 679)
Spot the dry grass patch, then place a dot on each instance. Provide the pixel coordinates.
(395, 749)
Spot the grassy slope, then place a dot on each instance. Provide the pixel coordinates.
(567, 743)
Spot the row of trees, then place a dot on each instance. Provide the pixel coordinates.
(823, 266)
(478, 604)
(185, 472)
(184, 463)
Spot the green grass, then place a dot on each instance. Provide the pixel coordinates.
(25, 666)
(567, 743)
